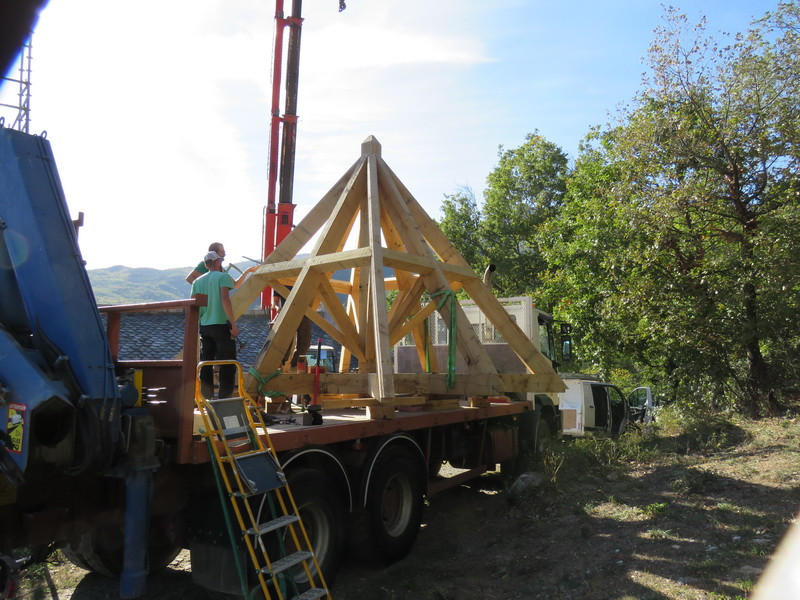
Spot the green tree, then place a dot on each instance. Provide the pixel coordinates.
(687, 215)
(461, 223)
(525, 190)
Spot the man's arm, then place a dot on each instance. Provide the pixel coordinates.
(192, 276)
(243, 276)
(225, 296)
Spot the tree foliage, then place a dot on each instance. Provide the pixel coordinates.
(525, 190)
(675, 251)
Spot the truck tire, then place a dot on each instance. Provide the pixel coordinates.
(321, 509)
(386, 528)
(101, 550)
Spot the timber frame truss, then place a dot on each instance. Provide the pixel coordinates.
(370, 202)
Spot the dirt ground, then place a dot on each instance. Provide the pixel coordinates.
(689, 516)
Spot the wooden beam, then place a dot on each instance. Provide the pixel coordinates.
(428, 227)
(483, 297)
(360, 295)
(420, 384)
(411, 288)
(424, 266)
(317, 318)
(335, 232)
(339, 286)
(340, 318)
(416, 321)
(383, 357)
(406, 301)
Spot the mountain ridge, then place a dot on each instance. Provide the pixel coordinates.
(119, 284)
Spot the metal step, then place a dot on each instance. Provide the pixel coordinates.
(235, 431)
(273, 525)
(287, 562)
(240, 455)
(215, 401)
(312, 594)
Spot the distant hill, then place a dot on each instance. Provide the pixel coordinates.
(127, 285)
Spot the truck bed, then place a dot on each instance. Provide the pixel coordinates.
(350, 424)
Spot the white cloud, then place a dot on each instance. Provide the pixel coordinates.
(158, 111)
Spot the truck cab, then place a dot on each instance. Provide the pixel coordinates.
(327, 358)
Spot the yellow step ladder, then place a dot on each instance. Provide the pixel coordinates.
(248, 473)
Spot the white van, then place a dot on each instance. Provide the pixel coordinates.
(591, 405)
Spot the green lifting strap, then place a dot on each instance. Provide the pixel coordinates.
(451, 334)
(263, 380)
(427, 349)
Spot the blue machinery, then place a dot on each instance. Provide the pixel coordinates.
(61, 409)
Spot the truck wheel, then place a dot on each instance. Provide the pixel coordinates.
(386, 528)
(319, 503)
(101, 550)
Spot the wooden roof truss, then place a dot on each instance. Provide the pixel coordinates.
(370, 205)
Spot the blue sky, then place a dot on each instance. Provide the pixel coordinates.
(158, 111)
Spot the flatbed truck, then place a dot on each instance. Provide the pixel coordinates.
(102, 456)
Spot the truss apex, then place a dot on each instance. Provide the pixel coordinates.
(371, 145)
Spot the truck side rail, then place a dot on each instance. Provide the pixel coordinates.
(175, 378)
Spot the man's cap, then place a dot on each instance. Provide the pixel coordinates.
(211, 257)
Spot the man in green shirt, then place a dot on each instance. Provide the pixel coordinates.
(201, 269)
(217, 326)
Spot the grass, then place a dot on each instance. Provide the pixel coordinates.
(715, 491)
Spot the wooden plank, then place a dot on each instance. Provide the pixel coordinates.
(417, 320)
(340, 318)
(380, 412)
(423, 265)
(383, 356)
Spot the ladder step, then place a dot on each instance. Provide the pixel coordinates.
(312, 594)
(216, 401)
(235, 431)
(258, 472)
(287, 562)
(234, 457)
(273, 525)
